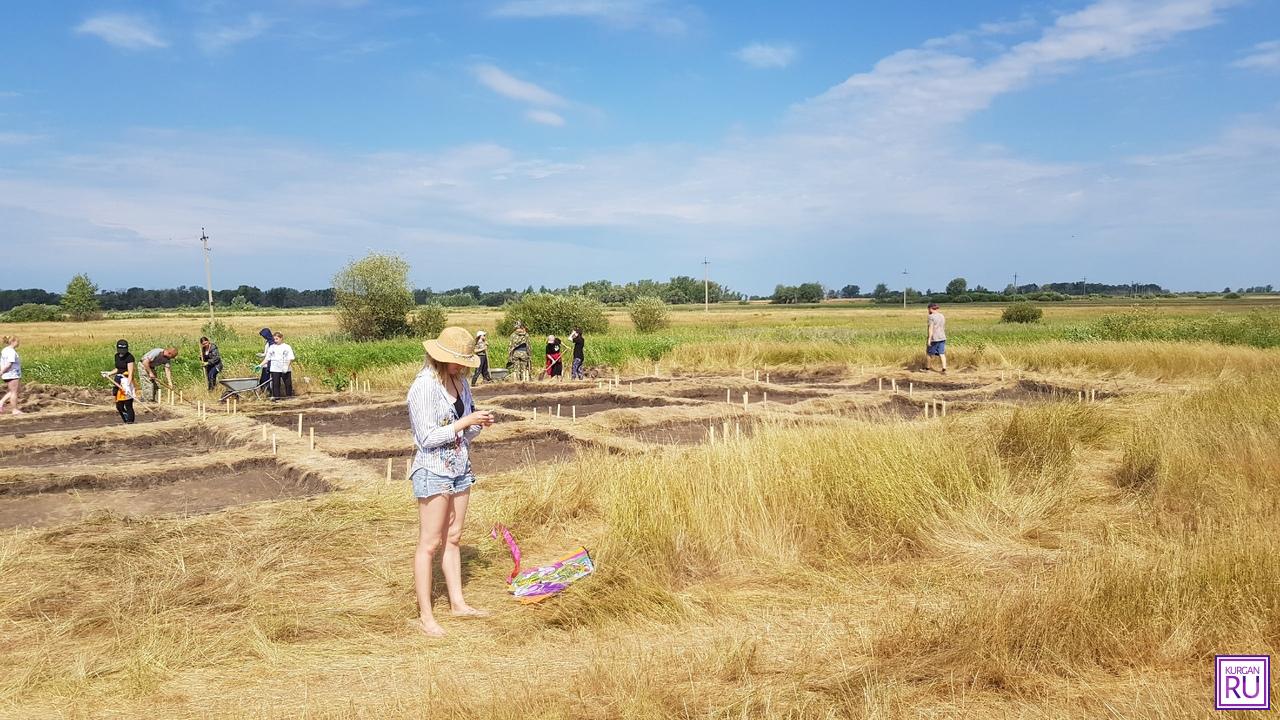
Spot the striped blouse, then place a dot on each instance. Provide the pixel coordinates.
(440, 450)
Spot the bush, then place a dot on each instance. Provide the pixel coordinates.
(649, 314)
(428, 320)
(962, 299)
(1231, 296)
(1021, 312)
(544, 314)
(240, 303)
(34, 312)
(373, 297)
(80, 301)
(218, 331)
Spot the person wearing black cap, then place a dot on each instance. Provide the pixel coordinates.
(122, 378)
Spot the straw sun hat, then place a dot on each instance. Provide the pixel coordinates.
(455, 345)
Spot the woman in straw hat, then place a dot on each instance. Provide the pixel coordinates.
(444, 421)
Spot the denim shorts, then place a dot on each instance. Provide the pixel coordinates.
(426, 484)
(938, 347)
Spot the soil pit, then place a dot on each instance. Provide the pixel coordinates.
(874, 385)
(149, 447)
(21, 426)
(38, 397)
(541, 388)
(488, 458)
(191, 492)
(714, 394)
(586, 404)
(690, 432)
(354, 422)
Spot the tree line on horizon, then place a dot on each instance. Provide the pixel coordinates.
(82, 298)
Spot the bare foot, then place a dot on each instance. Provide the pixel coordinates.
(468, 611)
(428, 627)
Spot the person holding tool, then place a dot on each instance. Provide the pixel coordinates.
(265, 376)
(578, 341)
(554, 365)
(211, 360)
(156, 358)
(121, 376)
(518, 354)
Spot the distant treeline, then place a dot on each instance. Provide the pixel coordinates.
(958, 290)
(676, 291)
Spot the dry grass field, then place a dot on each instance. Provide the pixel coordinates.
(1083, 530)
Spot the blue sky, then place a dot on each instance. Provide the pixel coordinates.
(547, 142)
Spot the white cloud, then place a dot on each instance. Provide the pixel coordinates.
(545, 117)
(655, 15)
(1263, 56)
(859, 177)
(130, 32)
(766, 55)
(218, 39)
(512, 87)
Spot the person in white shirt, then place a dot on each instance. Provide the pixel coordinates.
(280, 361)
(444, 421)
(10, 373)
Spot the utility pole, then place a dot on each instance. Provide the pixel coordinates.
(208, 276)
(904, 289)
(706, 285)
(1015, 283)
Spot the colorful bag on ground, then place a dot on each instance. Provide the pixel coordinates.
(540, 583)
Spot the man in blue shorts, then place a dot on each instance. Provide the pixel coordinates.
(936, 341)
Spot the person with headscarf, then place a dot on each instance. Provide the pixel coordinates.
(265, 377)
(554, 366)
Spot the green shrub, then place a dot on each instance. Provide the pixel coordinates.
(545, 314)
(428, 320)
(1021, 312)
(218, 331)
(1231, 296)
(649, 314)
(373, 297)
(34, 312)
(962, 299)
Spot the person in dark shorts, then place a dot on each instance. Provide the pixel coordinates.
(936, 340)
(578, 342)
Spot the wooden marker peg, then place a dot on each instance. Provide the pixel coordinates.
(575, 413)
(1080, 396)
(273, 443)
(711, 434)
(557, 409)
(737, 431)
(312, 431)
(879, 384)
(728, 397)
(264, 433)
(944, 408)
(299, 424)
(389, 469)
(757, 376)
(766, 378)
(911, 389)
(724, 430)
(535, 413)
(895, 384)
(744, 400)
(764, 398)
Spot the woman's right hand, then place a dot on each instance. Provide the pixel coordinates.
(479, 417)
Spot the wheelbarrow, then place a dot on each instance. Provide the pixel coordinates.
(240, 387)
